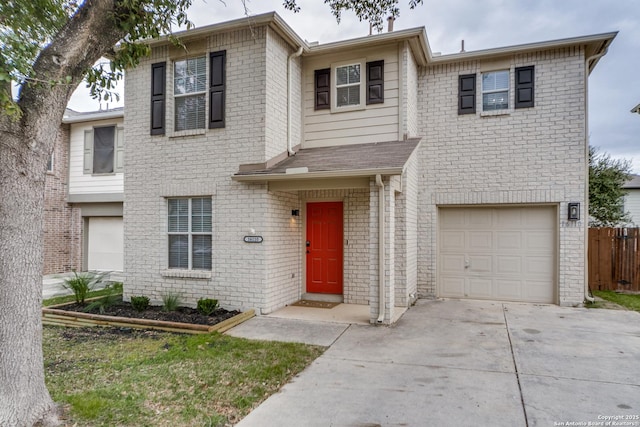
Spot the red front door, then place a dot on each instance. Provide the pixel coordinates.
(324, 247)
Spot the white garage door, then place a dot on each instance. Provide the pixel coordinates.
(105, 245)
(506, 254)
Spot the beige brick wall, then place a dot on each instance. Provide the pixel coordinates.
(406, 244)
(529, 156)
(62, 223)
(200, 165)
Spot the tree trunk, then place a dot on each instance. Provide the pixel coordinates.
(24, 398)
(25, 146)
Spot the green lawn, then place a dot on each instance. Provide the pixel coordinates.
(107, 376)
(632, 302)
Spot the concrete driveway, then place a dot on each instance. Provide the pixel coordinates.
(464, 363)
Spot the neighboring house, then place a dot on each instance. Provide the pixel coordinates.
(632, 199)
(62, 232)
(262, 169)
(84, 218)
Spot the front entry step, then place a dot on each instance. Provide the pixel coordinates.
(323, 297)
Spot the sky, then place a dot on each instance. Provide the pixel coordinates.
(614, 85)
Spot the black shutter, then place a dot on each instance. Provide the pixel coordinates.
(322, 89)
(375, 82)
(217, 77)
(467, 94)
(158, 97)
(525, 86)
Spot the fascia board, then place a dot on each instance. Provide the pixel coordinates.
(420, 47)
(593, 40)
(270, 18)
(98, 115)
(317, 175)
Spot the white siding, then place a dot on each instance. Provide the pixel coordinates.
(632, 205)
(375, 123)
(81, 183)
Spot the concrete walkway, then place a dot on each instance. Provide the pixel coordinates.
(462, 363)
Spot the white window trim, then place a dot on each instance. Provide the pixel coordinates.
(171, 115)
(118, 150)
(505, 111)
(363, 82)
(190, 271)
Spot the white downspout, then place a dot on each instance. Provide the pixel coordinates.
(290, 151)
(586, 190)
(381, 248)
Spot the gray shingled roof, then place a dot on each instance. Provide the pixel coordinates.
(355, 157)
(634, 182)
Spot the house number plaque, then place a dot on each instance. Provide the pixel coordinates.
(253, 239)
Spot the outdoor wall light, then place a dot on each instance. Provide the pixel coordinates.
(574, 211)
(295, 212)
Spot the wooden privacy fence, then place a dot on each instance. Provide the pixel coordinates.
(614, 259)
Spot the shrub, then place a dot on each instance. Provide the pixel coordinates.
(206, 306)
(170, 301)
(140, 303)
(103, 303)
(82, 284)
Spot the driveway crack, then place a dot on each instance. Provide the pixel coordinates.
(515, 366)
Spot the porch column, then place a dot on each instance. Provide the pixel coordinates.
(389, 252)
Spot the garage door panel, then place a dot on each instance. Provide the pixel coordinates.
(510, 253)
(511, 265)
(455, 220)
(454, 287)
(452, 241)
(479, 288)
(509, 289)
(539, 266)
(480, 264)
(539, 218)
(509, 218)
(476, 218)
(480, 240)
(508, 240)
(539, 240)
(453, 263)
(537, 290)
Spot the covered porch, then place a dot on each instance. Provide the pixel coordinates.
(355, 213)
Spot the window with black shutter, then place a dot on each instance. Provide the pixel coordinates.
(217, 86)
(375, 82)
(524, 79)
(467, 94)
(322, 89)
(158, 98)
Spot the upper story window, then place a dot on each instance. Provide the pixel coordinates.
(189, 229)
(103, 150)
(189, 91)
(346, 87)
(495, 90)
(496, 94)
(198, 87)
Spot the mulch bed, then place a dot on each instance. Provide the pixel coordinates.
(182, 314)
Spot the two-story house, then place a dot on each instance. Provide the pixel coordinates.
(84, 195)
(262, 169)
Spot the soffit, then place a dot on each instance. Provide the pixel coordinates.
(385, 158)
